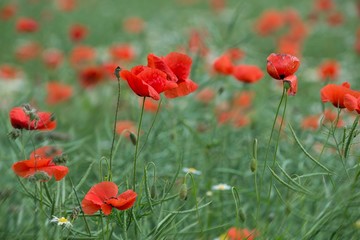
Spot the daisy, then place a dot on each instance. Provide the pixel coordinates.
(191, 170)
(221, 187)
(61, 222)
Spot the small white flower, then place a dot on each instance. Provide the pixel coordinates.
(221, 187)
(61, 222)
(209, 193)
(191, 170)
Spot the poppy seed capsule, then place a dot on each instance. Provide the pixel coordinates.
(183, 192)
(253, 165)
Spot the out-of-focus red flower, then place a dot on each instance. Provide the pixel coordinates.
(58, 92)
(109, 69)
(235, 54)
(205, 95)
(134, 25)
(28, 118)
(78, 32)
(66, 5)
(8, 11)
(332, 117)
(324, 5)
(125, 127)
(150, 105)
(269, 22)
(329, 70)
(82, 56)
(289, 45)
(280, 66)
(217, 5)
(27, 51)
(335, 94)
(241, 234)
(103, 196)
(352, 103)
(26, 25)
(244, 99)
(335, 18)
(292, 80)
(197, 42)
(52, 58)
(91, 76)
(223, 65)
(9, 72)
(310, 122)
(247, 73)
(122, 52)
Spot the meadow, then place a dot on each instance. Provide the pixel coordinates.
(179, 119)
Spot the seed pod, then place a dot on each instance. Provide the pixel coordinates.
(183, 192)
(253, 165)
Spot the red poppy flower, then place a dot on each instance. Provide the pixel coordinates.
(331, 116)
(197, 42)
(147, 82)
(124, 52)
(336, 94)
(82, 56)
(223, 65)
(103, 196)
(329, 70)
(335, 19)
(41, 162)
(324, 5)
(26, 25)
(58, 92)
(235, 54)
(243, 100)
(241, 234)
(217, 5)
(205, 95)
(125, 127)
(91, 76)
(247, 73)
(8, 11)
(280, 66)
(289, 45)
(352, 103)
(29, 119)
(269, 22)
(134, 25)
(180, 65)
(78, 32)
(66, 5)
(52, 58)
(310, 122)
(8, 72)
(150, 105)
(27, 51)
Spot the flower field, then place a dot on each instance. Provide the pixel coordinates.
(179, 119)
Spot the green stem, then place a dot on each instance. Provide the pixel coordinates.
(137, 143)
(115, 119)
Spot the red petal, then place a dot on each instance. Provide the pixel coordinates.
(106, 208)
(157, 63)
(350, 102)
(183, 89)
(124, 201)
(46, 152)
(89, 207)
(180, 64)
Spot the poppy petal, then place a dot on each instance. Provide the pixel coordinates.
(183, 89)
(180, 64)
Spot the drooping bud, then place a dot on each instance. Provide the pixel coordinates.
(14, 134)
(133, 138)
(117, 72)
(153, 191)
(60, 160)
(253, 165)
(183, 192)
(75, 213)
(39, 176)
(242, 215)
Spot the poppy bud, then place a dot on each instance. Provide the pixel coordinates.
(253, 165)
(60, 160)
(153, 191)
(183, 192)
(242, 215)
(14, 134)
(280, 66)
(133, 138)
(75, 213)
(39, 176)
